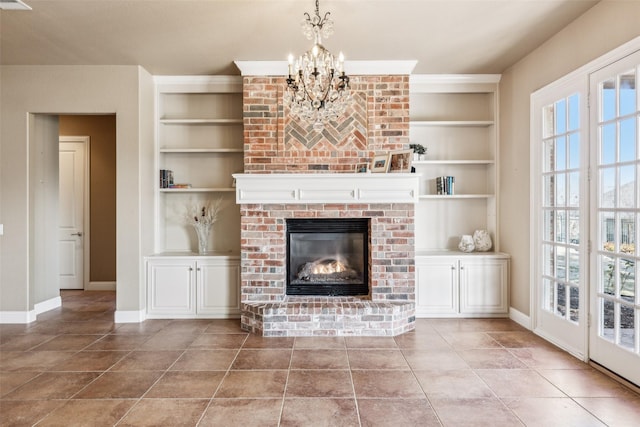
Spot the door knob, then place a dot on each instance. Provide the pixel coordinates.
(76, 234)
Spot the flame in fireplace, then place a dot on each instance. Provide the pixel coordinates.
(328, 266)
(326, 269)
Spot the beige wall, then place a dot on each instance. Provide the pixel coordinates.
(102, 131)
(605, 26)
(121, 90)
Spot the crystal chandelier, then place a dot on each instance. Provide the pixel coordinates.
(317, 87)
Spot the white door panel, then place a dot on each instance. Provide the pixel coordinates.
(71, 214)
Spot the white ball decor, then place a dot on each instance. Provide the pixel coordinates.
(466, 243)
(482, 240)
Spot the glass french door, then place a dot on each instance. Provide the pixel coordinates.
(615, 305)
(560, 152)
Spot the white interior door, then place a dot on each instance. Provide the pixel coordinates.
(71, 233)
(615, 302)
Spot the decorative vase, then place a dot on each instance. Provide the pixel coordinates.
(202, 231)
(466, 243)
(482, 240)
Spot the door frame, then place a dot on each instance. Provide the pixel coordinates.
(86, 216)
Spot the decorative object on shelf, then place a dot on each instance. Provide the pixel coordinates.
(400, 161)
(166, 178)
(482, 240)
(362, 168)
(202, 219)
(418, 151)
(380, 163)
(445, 185)
(317, 86)
(466, 243)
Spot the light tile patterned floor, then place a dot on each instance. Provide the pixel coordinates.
(74, 366)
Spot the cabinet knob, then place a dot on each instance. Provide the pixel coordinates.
(462, 267)
(190, 268)
(453, 267)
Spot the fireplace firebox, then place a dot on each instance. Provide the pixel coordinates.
(328, 256)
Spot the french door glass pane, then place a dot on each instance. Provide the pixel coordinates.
(608, 144)
(628, 140)
(608, 187)
(627, 93)
(607, 320)
(574, 303)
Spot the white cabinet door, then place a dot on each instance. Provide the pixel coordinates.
(218, 287)
(171, 287)
(483, 286)
(437, 285)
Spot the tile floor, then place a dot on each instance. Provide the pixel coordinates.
(74, 366)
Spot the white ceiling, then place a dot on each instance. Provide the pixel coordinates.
(176, 37)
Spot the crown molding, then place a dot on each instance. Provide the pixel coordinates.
(352, 68)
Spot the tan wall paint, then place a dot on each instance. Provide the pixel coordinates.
(102, 131)
(123, 90)
(604, 27)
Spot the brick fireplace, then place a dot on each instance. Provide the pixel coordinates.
(291, 171)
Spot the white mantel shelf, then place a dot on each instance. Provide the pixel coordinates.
(327, 188)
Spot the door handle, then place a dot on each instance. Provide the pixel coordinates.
(79, 233)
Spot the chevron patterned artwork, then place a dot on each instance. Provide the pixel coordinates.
(347, 133)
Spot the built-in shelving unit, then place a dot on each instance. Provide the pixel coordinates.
(199, 137)
(454, 118)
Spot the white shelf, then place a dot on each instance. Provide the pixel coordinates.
(201, 150)
(453, 162)
(201, 121)
(452, 123)
(454, 196)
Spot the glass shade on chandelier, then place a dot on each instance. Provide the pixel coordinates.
(317, 86)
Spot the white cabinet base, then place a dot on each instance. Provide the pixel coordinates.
(455, 284)
(190, 286)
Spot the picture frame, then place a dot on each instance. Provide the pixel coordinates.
(362, 168)
(379, 163)
(400, 161)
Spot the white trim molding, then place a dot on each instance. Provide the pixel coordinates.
(352, 68)
(130, 316)
(520, 318)
(31, 315)
(327, 188)
(17, 316)
(101, 286)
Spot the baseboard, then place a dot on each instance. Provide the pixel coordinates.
(17, 316)
(47, 305)
(130, 316)
(30, 316)
(101, 286)
(520, 318)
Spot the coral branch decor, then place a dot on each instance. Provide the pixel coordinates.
(202, 217)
